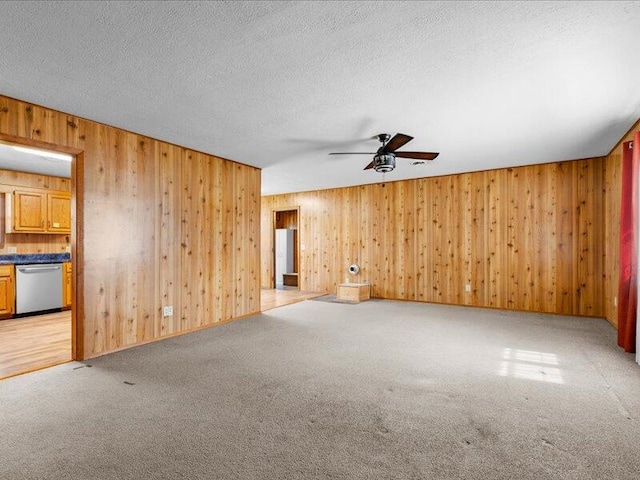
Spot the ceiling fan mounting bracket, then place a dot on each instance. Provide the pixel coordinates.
(384, 137)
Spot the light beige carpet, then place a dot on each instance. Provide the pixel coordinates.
(378, 390)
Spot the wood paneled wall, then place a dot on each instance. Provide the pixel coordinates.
(30, 242)
(287, 219)
(613, 182)
(527, 238)
(157, 225)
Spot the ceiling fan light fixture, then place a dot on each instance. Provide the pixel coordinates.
(384, 162)
(384, 159)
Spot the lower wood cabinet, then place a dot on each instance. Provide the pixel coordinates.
(66, 285)
(7, 291)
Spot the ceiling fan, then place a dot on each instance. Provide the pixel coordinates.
(384, 159)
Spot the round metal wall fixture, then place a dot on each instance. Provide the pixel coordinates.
(354, 269)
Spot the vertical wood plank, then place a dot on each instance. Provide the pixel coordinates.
(511, 234)
(142, 200)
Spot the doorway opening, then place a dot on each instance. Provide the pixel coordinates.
(286, 255)
(38, 255)
(285, 276)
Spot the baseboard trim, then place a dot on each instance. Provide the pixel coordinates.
(171, 335)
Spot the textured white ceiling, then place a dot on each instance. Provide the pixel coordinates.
(279, 85)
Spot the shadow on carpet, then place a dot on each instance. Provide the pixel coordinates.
(332, 299)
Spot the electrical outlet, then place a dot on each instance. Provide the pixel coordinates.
(302, 247)
(467, 288)
(67, 249)
(12, 249)
(615, 301)
(167, 311)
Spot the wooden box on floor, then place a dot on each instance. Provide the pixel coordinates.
(354, 292)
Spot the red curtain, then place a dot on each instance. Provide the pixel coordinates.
(628, 285)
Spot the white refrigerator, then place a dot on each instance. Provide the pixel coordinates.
(284, 253)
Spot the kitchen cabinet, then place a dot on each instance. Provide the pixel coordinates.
(29, 210)
(66, 285)
(38, 211)
(7, 291)
(59, 212)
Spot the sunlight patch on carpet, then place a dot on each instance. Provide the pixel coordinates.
(530, 365)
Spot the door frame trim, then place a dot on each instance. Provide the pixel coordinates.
(77, 234)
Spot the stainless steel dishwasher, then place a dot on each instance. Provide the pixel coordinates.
(38, 287)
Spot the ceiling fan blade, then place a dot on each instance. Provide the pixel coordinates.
(353, 153)
(396, 142)
(369, 166)
(417, 155)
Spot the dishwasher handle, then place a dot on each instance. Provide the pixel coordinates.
(48, 268)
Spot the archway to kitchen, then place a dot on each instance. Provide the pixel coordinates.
(39, 249)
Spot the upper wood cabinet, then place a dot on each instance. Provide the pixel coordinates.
(59, 212)
(38, 211)
(29, 211)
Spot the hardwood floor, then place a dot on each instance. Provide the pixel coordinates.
(32, 343)
(272, 298)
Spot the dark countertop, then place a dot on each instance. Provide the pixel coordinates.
(23, 259)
